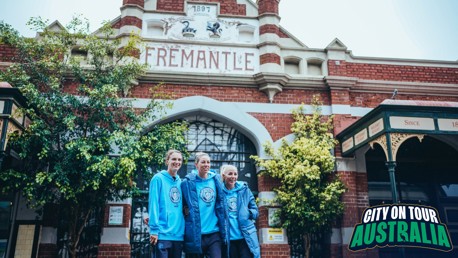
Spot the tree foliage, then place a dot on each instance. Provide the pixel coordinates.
(86, 143)
(309, 193)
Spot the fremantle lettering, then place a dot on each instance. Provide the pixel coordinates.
(204, 60)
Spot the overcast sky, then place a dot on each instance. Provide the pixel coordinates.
(414, 29)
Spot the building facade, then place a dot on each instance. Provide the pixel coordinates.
(235, 75)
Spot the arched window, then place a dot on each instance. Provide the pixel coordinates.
(224, 144)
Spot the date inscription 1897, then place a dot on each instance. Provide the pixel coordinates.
(200, 8)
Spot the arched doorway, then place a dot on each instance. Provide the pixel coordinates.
(427, 174)
(225, 145)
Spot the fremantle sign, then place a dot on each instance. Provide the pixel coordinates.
(201, 59)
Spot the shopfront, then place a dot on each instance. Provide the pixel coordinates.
(411, 150)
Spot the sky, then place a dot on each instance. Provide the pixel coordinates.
(411, 29)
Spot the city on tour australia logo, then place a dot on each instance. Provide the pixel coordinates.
(401, 225)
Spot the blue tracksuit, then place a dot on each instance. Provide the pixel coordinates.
(165, 207)
(204, 199)
(242, 211)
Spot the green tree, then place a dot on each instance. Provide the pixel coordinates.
(309, 193)
(86, 143)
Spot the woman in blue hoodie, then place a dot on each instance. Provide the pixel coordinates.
(203, 199)
(166, 221)
(242, 211)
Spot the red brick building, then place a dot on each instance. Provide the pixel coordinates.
(236, 74)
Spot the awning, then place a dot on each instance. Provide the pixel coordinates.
(395, 121)
(408, 118)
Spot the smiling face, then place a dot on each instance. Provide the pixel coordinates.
(203, 165)
(174, 162)
(230, 177)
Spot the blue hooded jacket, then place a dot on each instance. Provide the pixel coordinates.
(166, 207)
(193, 223)
(247, 213)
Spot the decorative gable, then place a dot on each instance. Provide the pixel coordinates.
(336, 44)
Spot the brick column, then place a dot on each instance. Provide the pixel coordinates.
(115, 239)
(356, 200)
(111, 251)
(340, 99)
(269, 50)
(131, 16)
(274, 242)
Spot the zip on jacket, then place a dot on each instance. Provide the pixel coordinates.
(193, 223)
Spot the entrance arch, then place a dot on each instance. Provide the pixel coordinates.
(208, 132)
(226, 112)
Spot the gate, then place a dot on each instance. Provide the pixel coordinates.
(139, 233)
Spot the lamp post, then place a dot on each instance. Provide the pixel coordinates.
(11, 118)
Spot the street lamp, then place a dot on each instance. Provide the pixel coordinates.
(11, 117)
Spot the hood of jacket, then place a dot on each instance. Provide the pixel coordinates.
(194, 175)
(166, 174)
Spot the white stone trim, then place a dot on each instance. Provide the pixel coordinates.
(341, 235)
(124, 201)
(269, 37)
(269, 49)
(130, 29)
(115, 236)
(401, 61)
(337, 54)
(270, 68)
(345, 164)
(269, 19)
(135, 12)
(336, 236)
(288, 138)
(227, 112)
(346, 235)
(269, 108)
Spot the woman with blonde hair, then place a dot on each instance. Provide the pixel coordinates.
(203, 200)
(241, 213)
